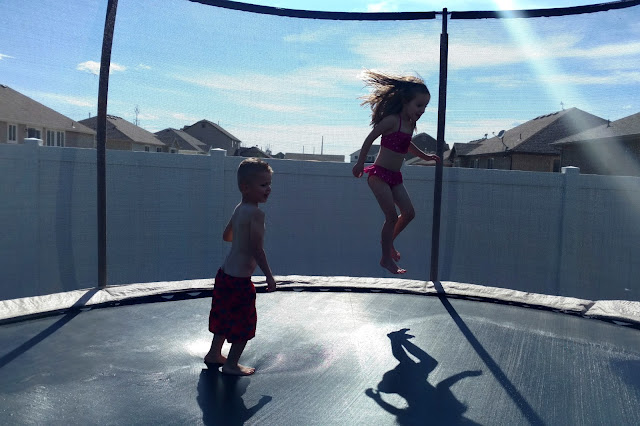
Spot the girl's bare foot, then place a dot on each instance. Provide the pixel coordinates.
(237, 370)
(390, 265)
(214, 359)
(395, 254)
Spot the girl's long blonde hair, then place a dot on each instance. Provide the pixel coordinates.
(390, 92)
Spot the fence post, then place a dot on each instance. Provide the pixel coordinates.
(30, 239)
(216, 194)
(568, 259)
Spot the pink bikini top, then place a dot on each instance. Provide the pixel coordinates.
(397, 141)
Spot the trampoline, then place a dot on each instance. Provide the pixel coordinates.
(328, 350)
(362, 351)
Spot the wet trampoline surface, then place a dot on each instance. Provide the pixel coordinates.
(323, 358)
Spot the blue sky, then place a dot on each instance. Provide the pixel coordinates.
(288, 84)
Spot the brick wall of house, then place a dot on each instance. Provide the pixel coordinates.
(620, 157)
(533, 163)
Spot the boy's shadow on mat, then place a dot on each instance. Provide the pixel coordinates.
(220, 399)
(425, 403)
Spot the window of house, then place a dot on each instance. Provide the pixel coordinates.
(146, 148)
(158, 149)
(475, 163)
(490, 163)
(173, 151)
(32, 132)
(12, 133)
(556, 165)
(55, 138)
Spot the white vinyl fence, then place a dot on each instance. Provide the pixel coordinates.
(554, 233)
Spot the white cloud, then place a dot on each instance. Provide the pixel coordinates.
(2, 56)
(66, 99)
(327, 82)
(468, 130)
(383, 6)
(621, 78)
(407, 52)
(506, 81)
(184, 117)
(338, 139)
(629, 64)
(143, 116)
(465, 53)
(314, 36)
(143, 67)
(93, 67)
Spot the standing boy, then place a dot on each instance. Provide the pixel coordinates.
(233, 306)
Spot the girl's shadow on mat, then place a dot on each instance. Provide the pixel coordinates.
(220, 399)
(409, 380)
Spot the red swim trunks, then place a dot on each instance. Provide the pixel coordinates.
(233, 308)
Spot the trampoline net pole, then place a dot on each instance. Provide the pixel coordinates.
(101, 139)
(437, 190)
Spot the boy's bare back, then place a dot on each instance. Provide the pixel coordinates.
(247, 231)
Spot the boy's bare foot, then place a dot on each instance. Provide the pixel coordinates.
(237, 370)
(214, 359)
(390, 265)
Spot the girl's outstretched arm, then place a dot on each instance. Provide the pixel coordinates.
(419, 153)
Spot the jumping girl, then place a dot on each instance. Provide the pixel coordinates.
(396, 104)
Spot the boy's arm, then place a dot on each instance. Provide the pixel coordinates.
(227, 235)
(257, 247)
(419, 153)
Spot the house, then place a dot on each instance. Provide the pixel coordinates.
(529, 146)
(458, 154)
(254, 151)
(124, 135)
(425, 142)
(371, 155)
(314, 157)
(181, 142)
(213, 136)
(609, 149)
(429, 145)
(22, 117)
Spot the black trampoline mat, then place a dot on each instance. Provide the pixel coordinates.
(323, 358)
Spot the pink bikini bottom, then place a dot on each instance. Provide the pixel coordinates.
(389, 176)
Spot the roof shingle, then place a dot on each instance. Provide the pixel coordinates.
(20, 109)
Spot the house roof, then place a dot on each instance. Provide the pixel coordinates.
(253, 151)
(465, 148)
(537, 136)
(184, 140)
(214, 125)
(119, 128)
(425, 142)
(20, 109)
(627, 126)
